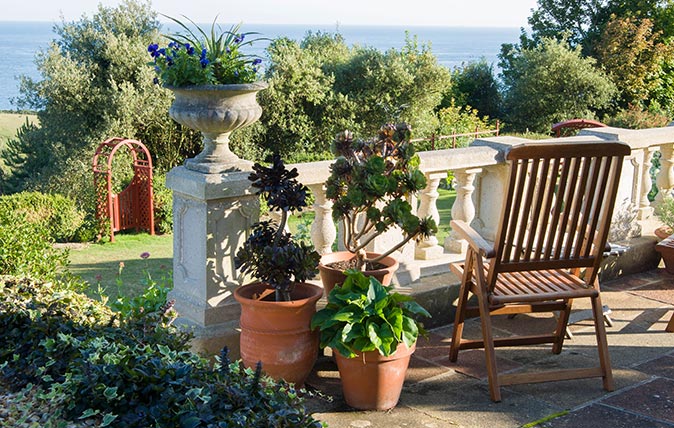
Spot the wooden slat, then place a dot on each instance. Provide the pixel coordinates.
(536, 207)
(599, 202)
(509, 341)
(556, 233)
(566, 208)
(525, 209)
(548, 376)
(523, 308)
(513, 221)
(576, 206)
(541, 229)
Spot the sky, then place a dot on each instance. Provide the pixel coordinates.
(449, 13)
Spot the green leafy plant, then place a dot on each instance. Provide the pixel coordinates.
(271, 254)
(363, 315)
(101, 369)
(202, 59)
(369, 184)
(665, 211)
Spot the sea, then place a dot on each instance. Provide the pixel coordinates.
(20, 42)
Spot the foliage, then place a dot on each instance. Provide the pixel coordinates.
(665, 211)
(474, 85)
(369, 183)
(550, 83)
(26, 249)
(95, 83)
(128, 372)
(201, 59)
(58, 215)
(631, 54)
(635, 118)
(271, 254)
(457, 120)
(163, 205)
(362, 315)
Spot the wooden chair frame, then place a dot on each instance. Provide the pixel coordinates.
(548, 248)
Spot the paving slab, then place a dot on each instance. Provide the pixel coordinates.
(654, 399)
(598, 416)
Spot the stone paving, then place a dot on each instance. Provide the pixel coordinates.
(438, 393)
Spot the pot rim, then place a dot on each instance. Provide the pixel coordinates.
(390, 266)
(402, 351)
(316, 292)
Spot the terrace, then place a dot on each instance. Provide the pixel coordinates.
(212, 212)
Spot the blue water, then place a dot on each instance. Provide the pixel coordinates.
(21, 41)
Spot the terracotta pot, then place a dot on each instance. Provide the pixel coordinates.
(331, 276)
(371, 381)
(278, 333)
(663, 232)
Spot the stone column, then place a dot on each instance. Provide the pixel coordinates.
(463, 208)
(212, 214)
(645, 209)
(429, 248)
(323, 230)
(665, 178)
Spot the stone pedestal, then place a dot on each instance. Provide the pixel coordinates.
(211, 216)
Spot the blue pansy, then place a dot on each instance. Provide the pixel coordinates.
(189, 49)
(257, 61)
(204, 62)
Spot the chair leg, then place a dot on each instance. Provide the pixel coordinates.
(670, 325)
(602, 344)
(487, 336)
(460, 315)
(561, 331)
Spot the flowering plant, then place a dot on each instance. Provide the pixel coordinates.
(201, 59)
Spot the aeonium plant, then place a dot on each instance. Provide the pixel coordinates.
(201, 59)
(271, 254)
(369, 184)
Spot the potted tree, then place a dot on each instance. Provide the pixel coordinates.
(369, 184)
(276, 311)
(372, 333)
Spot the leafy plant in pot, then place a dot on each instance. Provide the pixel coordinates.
(276, 311)
(372, 332)
(369, 184)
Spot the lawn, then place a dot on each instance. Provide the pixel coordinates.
(100, 263)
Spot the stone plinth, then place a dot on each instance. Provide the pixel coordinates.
(211, 216)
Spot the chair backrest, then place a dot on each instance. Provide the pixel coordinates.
(558, 207)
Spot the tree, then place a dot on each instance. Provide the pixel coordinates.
(474, 85)
(550, 83)
(632, 56)
(95, 84)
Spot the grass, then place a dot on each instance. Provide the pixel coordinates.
(100, 263)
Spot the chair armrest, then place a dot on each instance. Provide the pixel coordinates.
(476, 242)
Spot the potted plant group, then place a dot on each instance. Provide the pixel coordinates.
(372, 332)
(665, 211)
(276, 311)
(369, 185)
(215, 86)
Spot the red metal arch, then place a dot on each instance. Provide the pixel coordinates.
(562, 129)
(133, 207)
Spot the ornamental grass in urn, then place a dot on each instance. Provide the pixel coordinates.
(370, 184)
(215, 85)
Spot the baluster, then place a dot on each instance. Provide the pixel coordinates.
(323, 230)
(645, 208)
(429, 248)
(665, 178)
(463, 208)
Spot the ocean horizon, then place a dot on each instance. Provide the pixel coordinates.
(453, 46)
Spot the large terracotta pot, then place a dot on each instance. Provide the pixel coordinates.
(331, 276)
(216, 111)
(371, 381)
(278, 333)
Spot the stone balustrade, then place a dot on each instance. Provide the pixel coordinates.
(213, 212)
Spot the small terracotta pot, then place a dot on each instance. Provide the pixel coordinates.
(331, 276)
(278, 333)
(371, 381)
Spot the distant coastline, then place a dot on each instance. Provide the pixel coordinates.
(451, 45)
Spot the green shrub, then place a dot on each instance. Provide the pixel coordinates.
(163, 205)
(58, 215)
(133, 371)
(26, 249)
(634, 117)
(665, 210)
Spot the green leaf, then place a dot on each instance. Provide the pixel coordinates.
(107, 419)
(410, 331)
(110, 393)
(89, 413)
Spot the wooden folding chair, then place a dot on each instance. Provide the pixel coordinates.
(549, 244)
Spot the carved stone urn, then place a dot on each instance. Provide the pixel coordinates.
(216, 111)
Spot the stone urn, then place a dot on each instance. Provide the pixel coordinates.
(216, 111)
